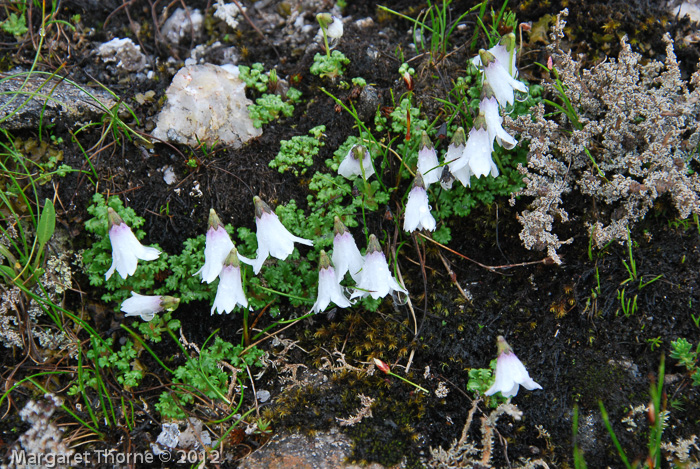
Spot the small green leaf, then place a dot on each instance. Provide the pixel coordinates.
(47, 223)
(7, 272)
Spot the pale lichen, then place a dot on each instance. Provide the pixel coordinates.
(636, 135)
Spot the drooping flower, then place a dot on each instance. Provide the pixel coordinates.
(126, 249)
(335, 29)
(147, 306)
(510, 373)
(455, 151)
(331, 24)
(504, 52)
(417, 215)
(477, 152)
(329, 290)
(217, 248)
(502, 83)
(346, 256)
(428, 164)
(492, 116)
(273, 238)
(351, 167)
(375, 278)
(229, 293)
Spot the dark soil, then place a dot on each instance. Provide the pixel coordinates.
(582, 350)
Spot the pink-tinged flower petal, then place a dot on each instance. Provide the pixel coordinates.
(127, 250)
(376, 279)
(505, 58)
(274, 239)
(218, 245)
(329, 290)
(142, 305)
(457, 163)
(217, 248)
(229, 293)
(346, 256)
(510, 373)
(417, 215)
(350, 167)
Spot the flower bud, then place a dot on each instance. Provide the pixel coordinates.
(381, 365)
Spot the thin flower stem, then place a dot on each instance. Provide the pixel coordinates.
(409, 382)
(281, 293)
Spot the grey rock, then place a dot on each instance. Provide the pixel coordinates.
(26, 98)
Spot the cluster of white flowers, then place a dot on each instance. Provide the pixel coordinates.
(221, 260)
(465, 156)
(370, 272)
(127, 250)
(472, 156)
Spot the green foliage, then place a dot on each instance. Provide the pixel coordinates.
(435, 22)
(299, 151)
(123, 363)
(658, 422)
(15, 25)
(331, 65)
(153, 329)
(205, 375)
(183, 270)
(268, 108)
(682, 350)
(25, 223)
(359, 82)
(480, 380)
(255, 77)
(293, 95)
(98, 258)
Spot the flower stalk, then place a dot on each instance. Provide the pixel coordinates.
(385, 368)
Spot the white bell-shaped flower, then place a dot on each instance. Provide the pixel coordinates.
(273, 238)
(504, 52)
(510, 373)
(376, 279)
(492, 116)
(229, 293)
(502, 83)
(335, 29)
(417, 215)
(428, 164)
(217, 248)
(332, 25)
(477, 152)
(346, 256)
(147, 306)
(458, 166)
(126, 249)
(357, 161)
(329, 290)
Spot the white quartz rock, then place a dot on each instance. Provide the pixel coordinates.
(181, 24)
(206, 102)
(125, 53)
